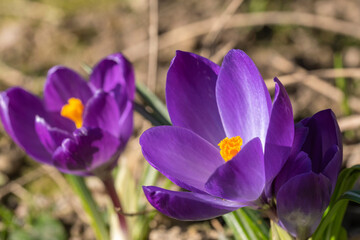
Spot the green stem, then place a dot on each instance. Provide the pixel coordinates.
(277, 233)
(341, 83)
(96, 220)
(110, 188)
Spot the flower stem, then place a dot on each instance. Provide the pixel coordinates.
(111, 191)
(89, 205)
(279, 233)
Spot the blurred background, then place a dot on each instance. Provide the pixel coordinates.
(313, 46)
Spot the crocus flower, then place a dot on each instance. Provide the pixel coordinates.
(79, 127)
(306, 182)
(228, 140)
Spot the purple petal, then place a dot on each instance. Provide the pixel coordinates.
(102, 111)
(324, 133)
(65, 124)
(62, 84)
(280, 134)
(188, 206)
(92, 151)
(190, 96)
(118, 92)
(301, 203)
(334, 158)
(243, 100)
(126, 122)
(182, 156)
(68, 158)
(242, 178)
(18, 109)
(50, 137)
(113, 71)
(294, 166)
(300, 136)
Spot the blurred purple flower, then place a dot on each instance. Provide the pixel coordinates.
(305, 184)
(211, 107)
(79, 127)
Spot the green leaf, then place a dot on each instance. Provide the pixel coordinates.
(20, 235)
(345, 182)
(6, 216)
(343, 234)
(160, 111)
(321, 233)
(247, 224)
(48, 228)
(236, 226)
(277, 233)
(256, 218)
(8, 221)
(153, 119)
(342, 84)
(44, 227)
(330, 225)
(335, 230)
(150, 176)
(353, 195)
(86, 68)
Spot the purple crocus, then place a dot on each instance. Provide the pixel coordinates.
(228, 140)
(79, 127)
(305, 184)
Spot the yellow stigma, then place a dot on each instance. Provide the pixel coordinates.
(73, 110)
(229, 147)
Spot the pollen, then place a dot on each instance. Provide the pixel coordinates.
(229, 147)
(73, 110)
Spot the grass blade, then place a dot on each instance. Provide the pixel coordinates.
(247, 224)
(154, 102)
(91, 208)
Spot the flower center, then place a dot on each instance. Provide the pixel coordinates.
(73, 110)
(229, 147)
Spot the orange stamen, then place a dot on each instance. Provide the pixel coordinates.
(73, 110)
(229, 147)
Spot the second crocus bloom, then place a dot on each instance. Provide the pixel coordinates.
(229, 140)
(79, 127)
(305, 184)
